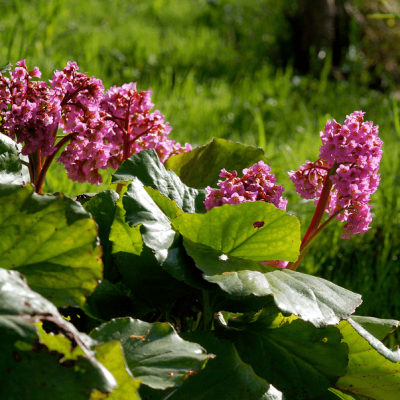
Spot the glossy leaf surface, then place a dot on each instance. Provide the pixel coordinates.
(256, 231)
(35, 364)
(155, 353)
(11, 169)
(148, 169)
(53, 241)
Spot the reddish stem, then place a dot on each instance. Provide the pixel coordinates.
(40, 181)
(313, 228)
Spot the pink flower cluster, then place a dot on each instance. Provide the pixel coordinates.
(352, 153)
(27, 111)
(101, 129)
(256, 184)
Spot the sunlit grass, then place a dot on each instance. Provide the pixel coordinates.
(200, 83)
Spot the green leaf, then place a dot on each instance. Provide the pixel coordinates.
(124, 238)
(373, 369)
(167, 206)
(36, 365)
(312, 299)
(201, 167)
(103, 208)
(294, 356)
(112, 357)
(11, 169)
(107, 302)
(336, 394)
(6, 68)
(146, 166)
(155, 353)
(254, 230)
(53, 241)
(156, 229)
(226, 377)
(380, 328)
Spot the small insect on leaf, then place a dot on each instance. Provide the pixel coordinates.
(142, 338)
(6, 68)
(258, 224)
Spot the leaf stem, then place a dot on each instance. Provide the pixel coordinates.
(207, 313)
(314, 227)
(40, 181)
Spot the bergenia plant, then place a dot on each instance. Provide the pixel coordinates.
(180, 284)
(96, 130)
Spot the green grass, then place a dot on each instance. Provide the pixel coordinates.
(210, 72)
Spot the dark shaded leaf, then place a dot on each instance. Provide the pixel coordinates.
(226, 377)
(36, 365)
(294, 356)
(102, 207)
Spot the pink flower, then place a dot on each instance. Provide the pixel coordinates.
(356, 151)
(257, 184)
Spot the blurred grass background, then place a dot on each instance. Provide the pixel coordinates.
(228, 68)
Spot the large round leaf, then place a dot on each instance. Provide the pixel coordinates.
(36, 365)
(53, 241)
(300, 360)
(254, 230)
(155, 353)
(373, 370)
(201, 167)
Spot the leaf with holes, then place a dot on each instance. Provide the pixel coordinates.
(255, 231)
